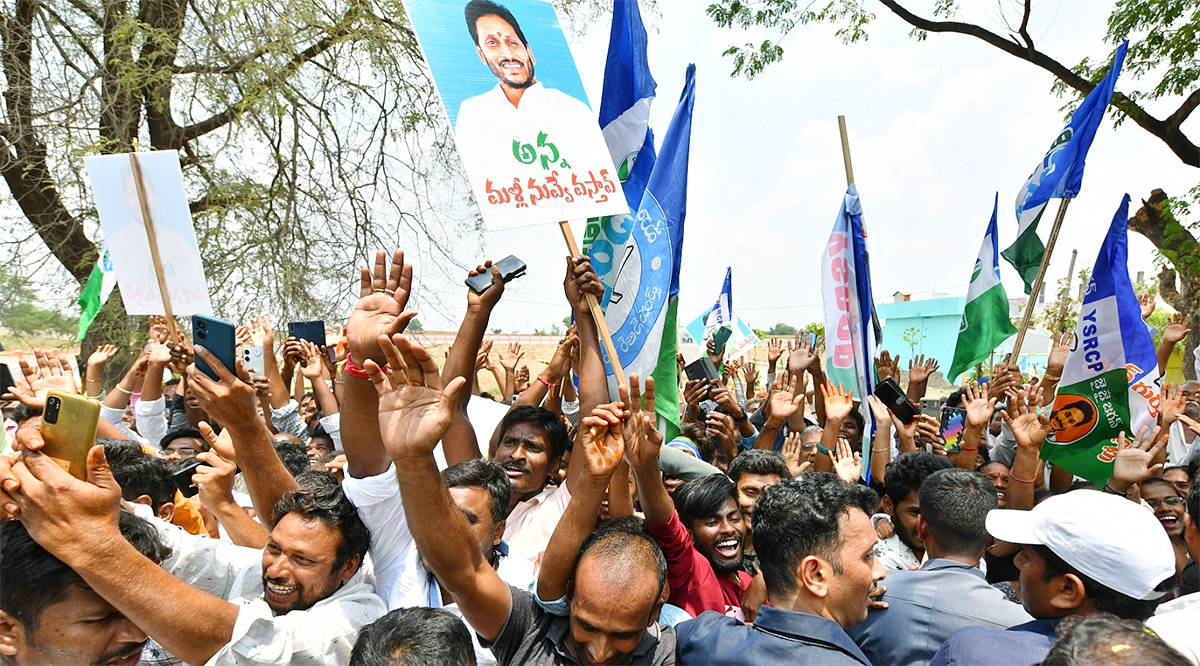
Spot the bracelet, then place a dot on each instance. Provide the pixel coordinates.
(355, 370)
(543, 380)
(1018, 479)
(742, 419)
(1049, 377)
(94, 397)
(963, 448)
(886, 448)
(124, 390)
(1109, 489)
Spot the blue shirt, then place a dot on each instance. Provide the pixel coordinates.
(777, 636)
(925, 607)
(1023, 644)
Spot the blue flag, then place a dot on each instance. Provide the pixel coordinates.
(642, 311)
(721, 313)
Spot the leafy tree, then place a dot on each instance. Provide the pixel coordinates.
(912, 336)
(1062, 314)
(21, 315)
(1161, 67)
(782, 329)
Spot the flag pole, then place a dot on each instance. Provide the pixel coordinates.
(1037, 283)
(846, 150)
(597, 313)
(152, 237)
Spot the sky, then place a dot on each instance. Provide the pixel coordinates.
(936, 128)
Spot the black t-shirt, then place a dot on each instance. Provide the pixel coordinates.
(533, 636)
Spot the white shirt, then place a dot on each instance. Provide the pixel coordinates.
(1175, 622)
(402, 579)
(1181, 445)
(531, 522)
(492, 135)
(322, 634)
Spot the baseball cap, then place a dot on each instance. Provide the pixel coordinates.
(1109, 539)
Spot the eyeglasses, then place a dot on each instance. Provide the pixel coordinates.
(1169, 501)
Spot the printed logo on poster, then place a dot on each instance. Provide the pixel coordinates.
(841, 342)
(528, 139)
(646, 271)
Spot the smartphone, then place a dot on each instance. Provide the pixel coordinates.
(313, 331)
(702, 369)
(721, 337)
(812, 339)
(252, 360)
(889, 392)
(219, 337)
(954, 421)
(183, 478)
(69, 430)
(510, 269)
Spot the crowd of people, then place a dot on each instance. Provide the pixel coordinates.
(342, 507)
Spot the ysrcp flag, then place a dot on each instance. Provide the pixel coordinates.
(1110, 382)
(625, 122)
(851, 329)
(721, 313)
(985, 322)
(643, 318)
(1060, 173)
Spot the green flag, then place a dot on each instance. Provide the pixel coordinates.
(96, 291)
(985, 322)
(666, 375)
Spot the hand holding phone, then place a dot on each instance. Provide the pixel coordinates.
(69, 430)
(889, 392)
(510, 269)
(219, 337)
(953, 423)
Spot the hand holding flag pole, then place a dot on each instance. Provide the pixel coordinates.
(597, 313)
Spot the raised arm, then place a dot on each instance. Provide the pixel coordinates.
(600, 444)
(1030, 429)
(414, 413)
(314, 371)
(460, 442)
(881, 446)
(979, 414)
(231, 401)
(1174, 333)
(919, 371)
(95, 367)
(785, 400)
(554, 372)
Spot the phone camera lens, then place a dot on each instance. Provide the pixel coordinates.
(201, 334)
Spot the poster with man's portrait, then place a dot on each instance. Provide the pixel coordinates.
(530, 142)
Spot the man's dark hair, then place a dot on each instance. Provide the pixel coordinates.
(32, 579)
(955, 503)
(1089, 639)
(320, 497)
(857, 417)
(174, 381)
(799, 517)
(956, 397)
(619, 536)
(293, 455)
(182, 432)
(704, 444)
(703, 498)
(22, 413)
(486, 474)
(908, 471)
(1193, 506)
(1159, 481)
(1103, 598)
(414, 637)
(1083, 405)
(548, 421)
(758, 461)
(1193, 467)
(477, 9)
(1082, 484)
(138, 473)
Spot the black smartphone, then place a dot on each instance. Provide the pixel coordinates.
(313, 331)
(510, 269)
(219, 337)
(183, 478)
(889, 392)
(702, 369)
(721, 337)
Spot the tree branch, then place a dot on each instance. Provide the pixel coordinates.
(1179, 144)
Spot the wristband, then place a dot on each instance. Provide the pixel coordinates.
(124, 390)
(355, 370)
(1109, 489)
(742, 418)
(1018, 479)
(963, 448)
(543, 380)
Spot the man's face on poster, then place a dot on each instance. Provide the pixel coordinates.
(503, 52)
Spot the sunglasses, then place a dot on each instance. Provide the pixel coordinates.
(1169, 501)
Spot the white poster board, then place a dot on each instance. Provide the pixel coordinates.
(116, 196)
(531, 146)
(741, 340)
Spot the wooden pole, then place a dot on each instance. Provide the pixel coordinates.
(846, 150)
(1037, 283)
(597, 313)
(152, 237)
(1062, 314)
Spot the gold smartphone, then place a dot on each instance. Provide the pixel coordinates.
(69, 430)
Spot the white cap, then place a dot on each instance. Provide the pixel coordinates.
(1109, 539)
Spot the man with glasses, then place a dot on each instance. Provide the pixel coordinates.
(181, 444)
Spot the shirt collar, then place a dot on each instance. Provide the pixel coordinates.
(811, 628)
(530, 92)
(941, 564)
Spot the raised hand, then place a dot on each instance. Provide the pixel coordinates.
(1059, 350)
(581, 279)
(490, 296)
(231, 401)
(803, 357)
(887, 367)
(101, 355)
(182, 354)
(414, 409)
(214, 479)
(722, 425)
(46, 374)
(838, 402)
(311, 365)
(1178, 329)
(159, 329)
(560, 362)
(510, 358)
(774, 351)
(793, 454)
(847, 464)
(786, 397)
(379, 312)
(242, 337)
(642, 439)
(1029, 425)
(1133, 462)
(522, 378)
(1004, 378)
(978, 405)
(602, 438)
(929, 430)
(879, 410)
(483, 360)
(1146, 300)
(1171, 404)
(261, 334)
(750, 376)
(221, 444)
(160, 354)
(920, 369)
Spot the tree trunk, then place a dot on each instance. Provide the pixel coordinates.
(1180, 285)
